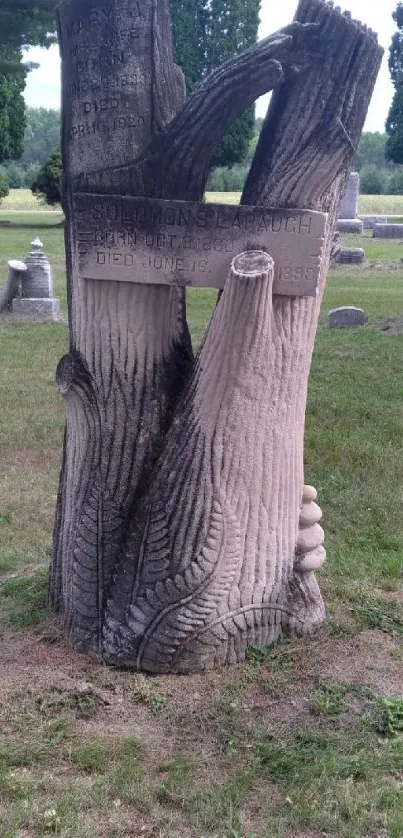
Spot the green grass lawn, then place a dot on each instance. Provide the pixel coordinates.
(304, 740)
(22, 200)
(369, 204)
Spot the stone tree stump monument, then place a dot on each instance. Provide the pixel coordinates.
(184, 531)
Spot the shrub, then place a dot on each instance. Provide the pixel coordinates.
(373, 181)
(14, 175)
(227, 180)
(396, 182)
(4, 187)
(31, 174)
(47, 184)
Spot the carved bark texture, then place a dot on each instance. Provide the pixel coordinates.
(180, 534)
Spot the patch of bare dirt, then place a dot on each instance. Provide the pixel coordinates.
(26, 571)
(29, 461)
(391, 325)
(365, 659)
(201, 714)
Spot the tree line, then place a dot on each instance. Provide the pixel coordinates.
(205, 33)
(41, 138)
(40, 163)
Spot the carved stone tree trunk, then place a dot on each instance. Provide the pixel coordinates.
(183, 529)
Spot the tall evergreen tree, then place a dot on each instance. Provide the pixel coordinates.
(394, 122)
(190, 20)
(12, 115)
(23, 23)
(206, 33)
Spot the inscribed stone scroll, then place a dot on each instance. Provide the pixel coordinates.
(176, 242)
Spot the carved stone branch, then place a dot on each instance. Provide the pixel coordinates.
(178, 161)
(184, 159)
(194, 584)
(303, 159)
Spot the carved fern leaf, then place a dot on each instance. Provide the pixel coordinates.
(165, 614)
(96, 544)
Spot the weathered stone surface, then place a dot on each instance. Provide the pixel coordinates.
(346, 317)
(351, 256)
(350, 225)
(38, 280)
(349, 203)
(309, 538)
(183, 243)
(40, 308)
(107, 53)
(369, 221)
(311, 514)
(310, 552)
(309, 494)
(12, 284)
(311, 561)
(388, 231)
(179, 511)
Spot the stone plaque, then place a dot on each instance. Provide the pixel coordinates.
(153, 241)
(106, 49)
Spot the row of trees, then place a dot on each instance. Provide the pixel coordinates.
(394, 123)
(40, 166)
(378, 175)
(41, 138)
(205, 33)
(22, 24)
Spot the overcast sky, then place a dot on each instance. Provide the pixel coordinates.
(43, 87)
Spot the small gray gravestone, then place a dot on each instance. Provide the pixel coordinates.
(350, 225)
(351, 256)
(346, 317)
(369, 221)
(37, 299)
(349, 203)
(388, 231)
(38, 280)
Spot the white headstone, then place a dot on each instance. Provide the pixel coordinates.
(38, 280)
(349, 204)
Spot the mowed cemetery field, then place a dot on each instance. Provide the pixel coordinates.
(305, 739)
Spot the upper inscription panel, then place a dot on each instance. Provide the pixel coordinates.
(155, 241)
(106, 48)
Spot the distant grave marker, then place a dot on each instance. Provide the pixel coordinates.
(351, 197)
(346, 317)
(388, 231)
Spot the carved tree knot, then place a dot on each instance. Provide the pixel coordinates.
(65, 374)
(72, 370)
